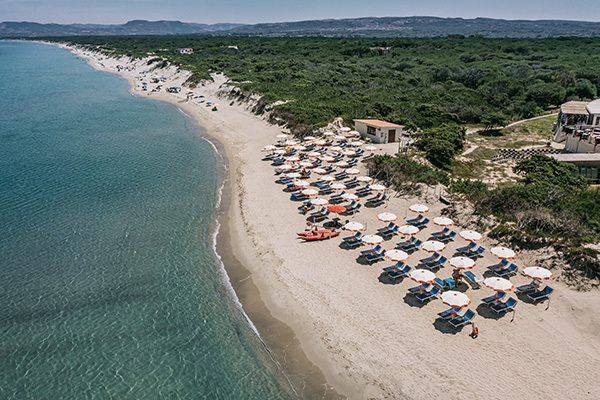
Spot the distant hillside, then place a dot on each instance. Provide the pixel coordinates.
(136, 27)
(356, 27)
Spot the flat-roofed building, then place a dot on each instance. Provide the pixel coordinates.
(378, 131)
(587, 165)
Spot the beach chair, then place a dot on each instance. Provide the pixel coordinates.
(429, 295)
(362, 193)
(321, 184)
(352, 163)
(365, 158)
(378, 202)
(305, 175)
(337, 198)
(534, 285)
(421, 223)
(512, 269)
(509, 305)
(305, 207)
(500, 265)
(321, 217)
(321, 211)
(374, 198)
(399, 273)
(298, 196)
(431, 258)
(436, 263)
(419, 289)
(354, 237)
(495, 298)
(389, 226)
(325, 190)
(371, 258)
(375, 249)
(414, 220)
(439, 282)
(466, 248)
(351, 183)
(394, 267)
(476, 253)
(351, 210)
(447, 238)
(450, 313)
(412, 246)
(390, 232)
(443, 232)
(473, 279)
(341, 175)
(284, 180)
(462, 320)
(541, 294)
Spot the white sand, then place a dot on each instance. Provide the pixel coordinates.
(364, 335)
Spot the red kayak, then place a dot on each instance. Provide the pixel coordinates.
(321, 235)
(315, 232)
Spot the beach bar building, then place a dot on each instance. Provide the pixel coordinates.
(378, 131)
(186, 50)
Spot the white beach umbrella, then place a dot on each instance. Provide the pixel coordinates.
(285, 167)
(320, 171)
(422, 275)
(354, 226)
(282, 136)
(280, 151)
(419, 208)
(349, 153)
(455, 299)
(349, 196)
(327, 178)
(397, 255)
(292, 159)
(328, 158)
(352, 171)
(340, 137)
(370, 147)
(314, 154)
(462, 262)
(354, 133)
(301, 183)
(387, 217)
(345, 129)
(372, 239)
(470, 235)
(305, 164)
(408, 229)
(300, 148)
(319, 201)
(503, 252)
(291, 142)
(341, 164)
(364, 179)
(320, 142)
(378, 188)
(293, 175)
(328, 134)
(356, 144)
(443, 221)
(309, 138)
(269, 147)
(336, 148)
(433, 246)
(498, 284)
(337, 186)
(309, 192)
(539, 273)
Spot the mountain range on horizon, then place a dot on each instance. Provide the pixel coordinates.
(349, 27)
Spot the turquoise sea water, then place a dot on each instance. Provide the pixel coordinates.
(109, 286)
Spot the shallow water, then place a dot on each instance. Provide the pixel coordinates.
(109, 286)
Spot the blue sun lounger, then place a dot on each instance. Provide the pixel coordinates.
(476, 253)
(371, 258)
(495, 298)
(419, 289)
(412, 246)
(431, 258)
(509, 305)
(512, 269)
(534, 285)
(400, 272)
(466, 248)
(447, 238)
(436, 263)
(541, 294)
(473, 279)
(429, 295)
(462, 320)
(443, 232)
(499, 265)
(373, 250)
(450, 313)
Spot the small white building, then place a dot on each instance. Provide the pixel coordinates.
(378, 131)
(593, 109)
(186, 50)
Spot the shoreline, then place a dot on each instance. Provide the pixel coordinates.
(278, 338)
(366, 336)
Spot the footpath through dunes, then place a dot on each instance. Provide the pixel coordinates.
(366, 335)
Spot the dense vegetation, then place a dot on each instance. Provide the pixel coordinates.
(419, 82)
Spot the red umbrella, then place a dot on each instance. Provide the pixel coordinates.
(336, 209)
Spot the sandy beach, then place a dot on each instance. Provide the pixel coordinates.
(337, 324)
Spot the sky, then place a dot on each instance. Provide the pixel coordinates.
(256, 11)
